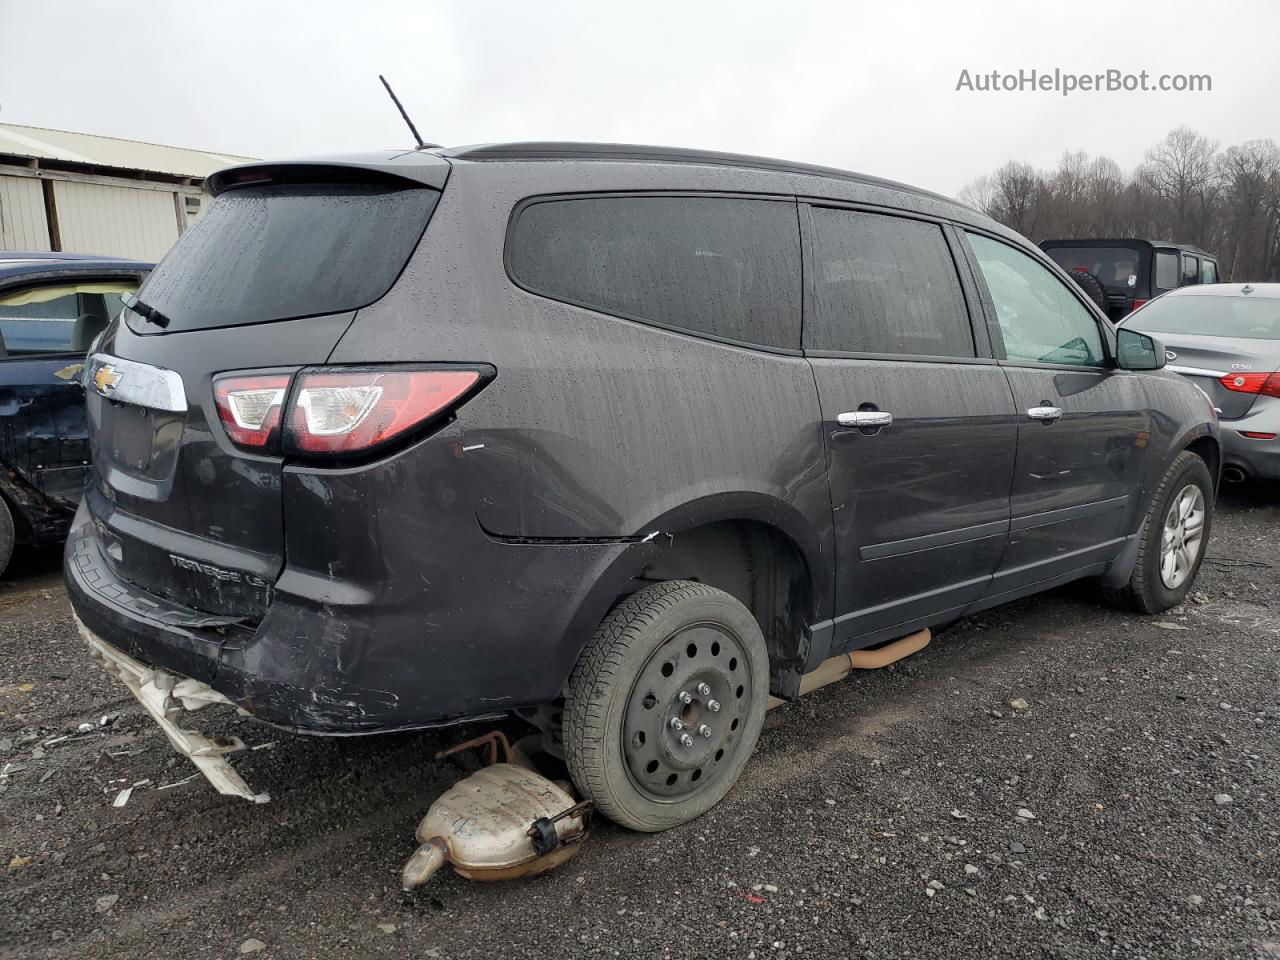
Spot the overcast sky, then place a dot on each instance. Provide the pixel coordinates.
(869, 86)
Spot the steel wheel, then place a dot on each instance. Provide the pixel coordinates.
(680, 730)
(665, 704)
(1182, 537)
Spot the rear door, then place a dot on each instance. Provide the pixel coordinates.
(1083, 425)
(266, 281)
(919, 421)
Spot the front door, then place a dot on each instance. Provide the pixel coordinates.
(1083, 424)
(919, 424)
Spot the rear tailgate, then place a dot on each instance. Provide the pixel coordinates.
(267, 280)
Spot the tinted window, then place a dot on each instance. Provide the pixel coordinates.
(1252, 318)
(277, 252)
(1208, 271)
(1039, 317)
(885, 285)
(1190, 269)
(725, 267)
(1113, 266)
(1166, 271)
(58, 318)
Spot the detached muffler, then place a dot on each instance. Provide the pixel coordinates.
(502, 822)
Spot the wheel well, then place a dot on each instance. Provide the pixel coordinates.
(1206, 448)
(758, 565)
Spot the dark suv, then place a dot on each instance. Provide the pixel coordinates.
(630, 436)
(1130, 272)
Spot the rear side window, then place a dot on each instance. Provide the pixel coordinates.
(1166, 271)
(279, 252)
(1190, 269)
(885, 285)
(1208, 271)
(718, 266)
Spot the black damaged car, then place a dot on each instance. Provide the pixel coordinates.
(626, 439)
(52, 305)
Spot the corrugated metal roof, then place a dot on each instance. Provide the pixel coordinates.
(87, 148)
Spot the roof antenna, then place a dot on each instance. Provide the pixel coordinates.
(422, 145)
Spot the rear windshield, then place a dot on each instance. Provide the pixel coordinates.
(1113, 266)
(1244, 318)
(279, 252)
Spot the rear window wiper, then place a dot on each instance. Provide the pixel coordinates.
(140, 308)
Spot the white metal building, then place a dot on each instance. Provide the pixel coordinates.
(88, 194)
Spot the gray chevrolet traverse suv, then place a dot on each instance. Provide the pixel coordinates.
(628, 439)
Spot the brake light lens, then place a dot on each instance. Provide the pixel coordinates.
(350, 412)
(1259, 384)
(1137, 303)
(249, 408)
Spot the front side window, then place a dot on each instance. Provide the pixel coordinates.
(1041, 321)
(1166, 271)
(885, 285)
(723, 267)
(58, 318)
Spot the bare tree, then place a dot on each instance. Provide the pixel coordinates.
(1186, 190)
(980, 194)
(1018, 189)
(1182, 171)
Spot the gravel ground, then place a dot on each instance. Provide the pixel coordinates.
(880, 817)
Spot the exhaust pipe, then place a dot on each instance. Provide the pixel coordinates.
(839, 667)
(1233, 474)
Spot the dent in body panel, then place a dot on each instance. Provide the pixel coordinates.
(595, 426)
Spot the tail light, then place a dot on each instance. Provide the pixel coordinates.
(335, 411)
(1259, 384)
(250, 406)
(1137, 303)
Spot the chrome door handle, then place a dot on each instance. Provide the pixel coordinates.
(865, 418)
(1048, 414)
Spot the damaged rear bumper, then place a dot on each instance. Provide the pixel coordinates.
(166, 697)
(430, 641)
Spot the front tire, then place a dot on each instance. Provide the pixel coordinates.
(666, 704)
(1174, 536)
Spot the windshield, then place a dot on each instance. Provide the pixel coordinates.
(276, 252)
(1113, 266)
(1245, 318)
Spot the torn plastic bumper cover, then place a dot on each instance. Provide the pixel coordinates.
(166, 696)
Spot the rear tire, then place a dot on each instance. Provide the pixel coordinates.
(671, 640)
(1174, 536)
(8, 535)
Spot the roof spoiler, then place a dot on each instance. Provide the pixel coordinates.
(413, 169)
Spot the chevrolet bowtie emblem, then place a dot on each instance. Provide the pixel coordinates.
(107, 379)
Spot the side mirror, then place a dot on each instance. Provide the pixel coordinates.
(1138, 351)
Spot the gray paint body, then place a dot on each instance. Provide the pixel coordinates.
(462, 575)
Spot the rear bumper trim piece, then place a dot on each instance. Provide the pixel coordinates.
(165, 697)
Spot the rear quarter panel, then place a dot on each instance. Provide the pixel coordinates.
(595, 427)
